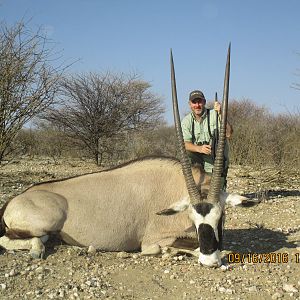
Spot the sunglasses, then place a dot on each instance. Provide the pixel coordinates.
(194, 101)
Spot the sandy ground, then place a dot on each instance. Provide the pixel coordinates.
(262, 249)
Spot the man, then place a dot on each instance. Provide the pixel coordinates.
(200, 131)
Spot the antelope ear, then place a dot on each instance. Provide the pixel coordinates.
(176, 207)
(236, 200)
(167, 212)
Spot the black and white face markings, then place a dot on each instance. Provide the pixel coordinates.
(208, 219)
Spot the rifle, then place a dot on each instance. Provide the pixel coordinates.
(217, 118)
(215, 136)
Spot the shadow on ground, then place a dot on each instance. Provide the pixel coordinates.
(269, 194)
(255, 240)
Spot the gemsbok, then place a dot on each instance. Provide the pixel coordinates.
(145, 204)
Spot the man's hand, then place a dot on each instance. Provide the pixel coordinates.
(217, 107)
(205, 149)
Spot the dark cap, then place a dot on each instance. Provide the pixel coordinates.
(196, 95)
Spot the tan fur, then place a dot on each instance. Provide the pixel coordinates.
(113, 210)
(36, 213)
(2, 224)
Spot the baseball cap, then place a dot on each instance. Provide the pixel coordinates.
(196, 95)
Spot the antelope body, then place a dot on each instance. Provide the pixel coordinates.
(113, 210)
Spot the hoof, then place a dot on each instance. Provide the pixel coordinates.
(37, 248)
(38, 252)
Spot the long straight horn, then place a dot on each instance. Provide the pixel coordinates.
(185, 163)
(216, 181)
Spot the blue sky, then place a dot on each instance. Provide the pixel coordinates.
(136, 36)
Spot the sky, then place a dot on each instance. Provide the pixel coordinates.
(135, 36)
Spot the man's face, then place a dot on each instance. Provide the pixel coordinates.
(197, 106)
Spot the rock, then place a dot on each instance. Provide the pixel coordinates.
(225, 268)
(289, 288)
(39, 270)
(123, 255)
(252, 289)
(222, 289)
(165, 250)
(91, 250)
(229, 291)
(166, 256)
(277, 295)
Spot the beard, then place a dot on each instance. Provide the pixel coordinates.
(199, 111)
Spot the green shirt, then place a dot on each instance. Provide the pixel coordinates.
(201, 134)
(200, 127)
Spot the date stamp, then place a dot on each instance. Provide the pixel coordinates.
(280, 257)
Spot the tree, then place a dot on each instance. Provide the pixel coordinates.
(261, 138)
(251, 133)
(97, 108)
(296, 85)
(28, 83)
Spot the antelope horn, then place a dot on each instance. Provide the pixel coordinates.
(215, 186)
(193, 191)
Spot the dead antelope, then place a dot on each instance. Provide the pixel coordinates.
(121, 209)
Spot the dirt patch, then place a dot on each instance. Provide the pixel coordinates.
(262, 249)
